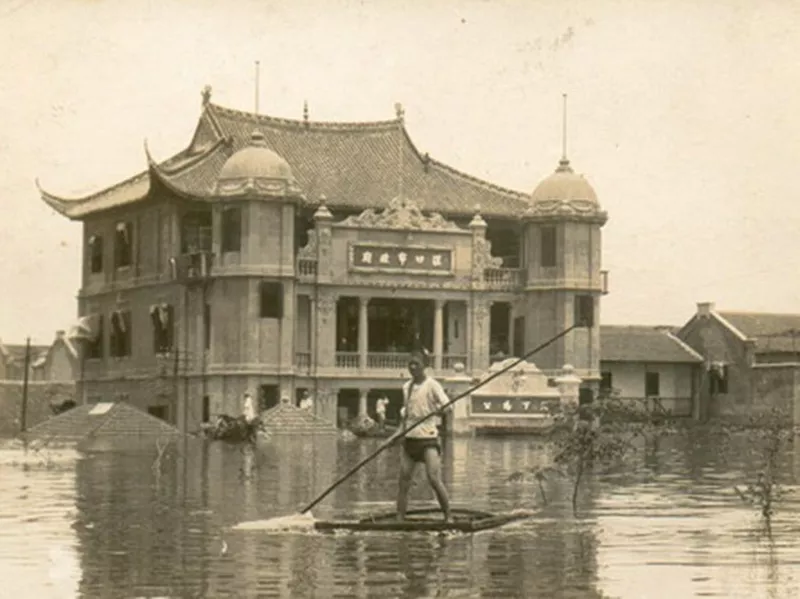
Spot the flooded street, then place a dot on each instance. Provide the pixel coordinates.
(122, 525)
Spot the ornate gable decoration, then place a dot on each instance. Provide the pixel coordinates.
(401, 213)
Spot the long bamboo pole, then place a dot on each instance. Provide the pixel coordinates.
(402, 433)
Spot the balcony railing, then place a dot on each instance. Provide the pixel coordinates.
(674, 406)
(306, 267)
(347, 359)
(302, 360)
(503, 278)
(385, 360)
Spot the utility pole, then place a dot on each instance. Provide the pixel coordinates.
(24, 415)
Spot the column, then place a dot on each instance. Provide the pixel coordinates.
(325, 329)
(363, 332)
(362, 402)
(438, 334)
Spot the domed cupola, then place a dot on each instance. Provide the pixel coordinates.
(565, 193)
(564, 185)
(256, 170)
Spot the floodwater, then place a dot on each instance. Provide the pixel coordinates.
(125, 525)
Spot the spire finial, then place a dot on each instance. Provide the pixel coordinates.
(564, 131)
(206, 93)
(399, 111)
(257, 84)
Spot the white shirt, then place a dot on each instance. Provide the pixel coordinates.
(420, 400)
(249, 411)
(380, 406)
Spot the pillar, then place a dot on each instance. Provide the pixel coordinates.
(438, 334)
(362, 402)
(363, 332)
(325, 329)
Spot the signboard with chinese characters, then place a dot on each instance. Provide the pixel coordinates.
(401, 259)
(513, 406)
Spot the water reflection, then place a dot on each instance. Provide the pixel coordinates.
(669, 525)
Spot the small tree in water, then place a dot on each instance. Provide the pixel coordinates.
(599, 435)
(768, 435)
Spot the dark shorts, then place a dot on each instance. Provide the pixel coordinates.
(415, 448)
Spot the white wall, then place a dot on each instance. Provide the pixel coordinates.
(675, 380)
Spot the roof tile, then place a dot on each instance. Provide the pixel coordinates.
(771, 332)
(627, 343)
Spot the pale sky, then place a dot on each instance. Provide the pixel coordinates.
(684, 116)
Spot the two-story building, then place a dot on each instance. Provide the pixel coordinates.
(751, 361)
(276, 256)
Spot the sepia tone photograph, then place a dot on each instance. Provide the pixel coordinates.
(399, 299)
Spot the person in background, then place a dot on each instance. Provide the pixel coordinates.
(380, 410)
(422, 396)
(248, 408)
(306, 403)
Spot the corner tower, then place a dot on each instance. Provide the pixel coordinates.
(562, 259)
(253, 298)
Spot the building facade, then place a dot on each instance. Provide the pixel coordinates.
(751, 361)
(276, 256)
(650, 368)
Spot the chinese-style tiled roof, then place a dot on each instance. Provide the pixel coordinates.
(771, 332)
(94, 421)
(625, 343)
(355, 165)
(289, 420)
(15, 354)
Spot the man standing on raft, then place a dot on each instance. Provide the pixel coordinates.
(422, 395)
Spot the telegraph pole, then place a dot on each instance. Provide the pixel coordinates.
(24, 415)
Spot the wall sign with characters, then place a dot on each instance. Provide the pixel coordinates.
(512, 406)
(401, 259)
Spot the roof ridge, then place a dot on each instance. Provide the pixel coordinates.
(752, 313)
(685, 346)
(482, 182)
(186, 166)
(302, 124)
(79, 200)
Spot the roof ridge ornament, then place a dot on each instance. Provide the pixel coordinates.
(399, 112)
(401, 213)
(206, 95)
(305, 113)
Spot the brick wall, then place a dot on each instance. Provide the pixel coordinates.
(40, 396)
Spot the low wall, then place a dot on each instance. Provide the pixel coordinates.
(41, 395)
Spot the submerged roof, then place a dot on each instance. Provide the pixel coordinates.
(288, 419)
(628, 343)
(354, 165)
(107, 420)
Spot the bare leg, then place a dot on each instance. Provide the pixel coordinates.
(407, 466)
(433, 468)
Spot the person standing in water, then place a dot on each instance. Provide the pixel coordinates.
(422, 395)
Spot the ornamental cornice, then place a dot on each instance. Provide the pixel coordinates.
(258, 187)
(404, 214)
(560, 210)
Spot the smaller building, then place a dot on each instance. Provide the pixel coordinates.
(12, 360)
(650, 366)
(751, 360)
(57, 362)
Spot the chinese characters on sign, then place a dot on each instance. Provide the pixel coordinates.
(511, 406)
(401, 259)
